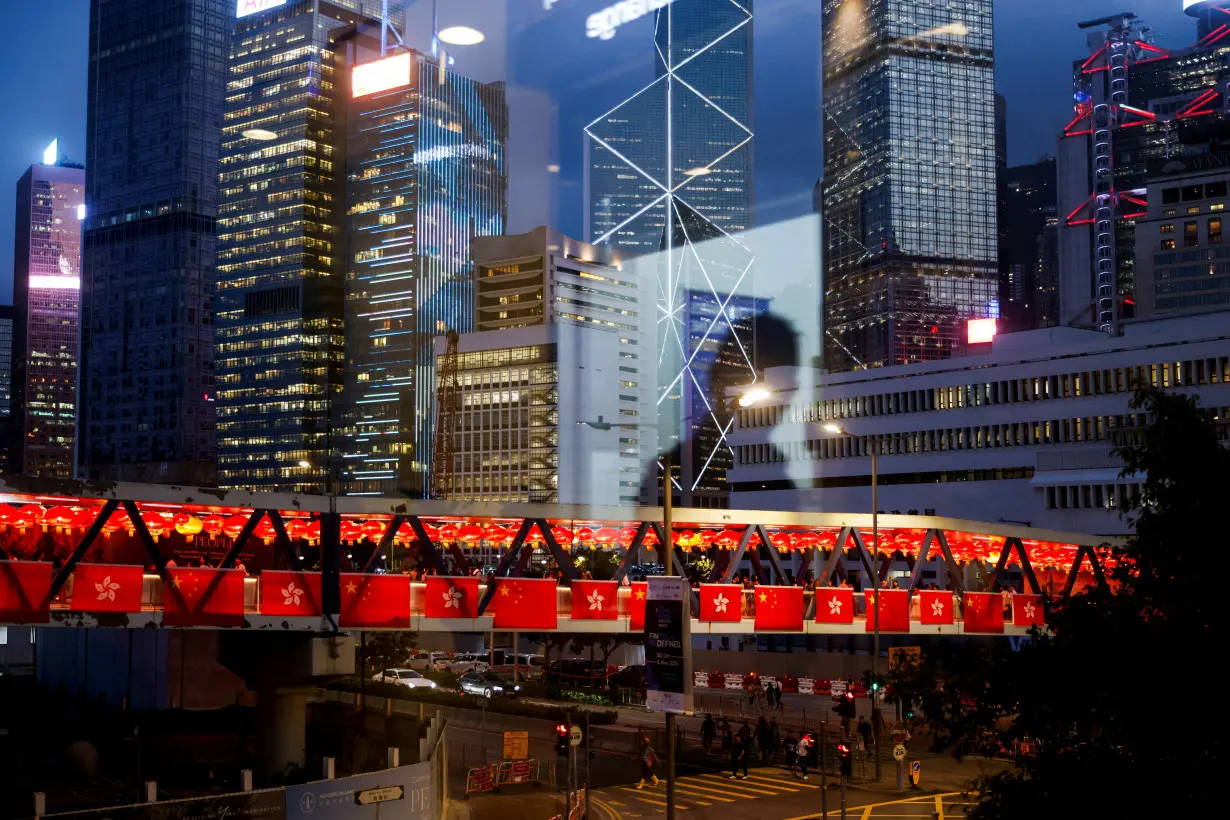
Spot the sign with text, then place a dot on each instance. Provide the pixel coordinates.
(668, 680)
(516, 745)
(359, 797)
(245, 7)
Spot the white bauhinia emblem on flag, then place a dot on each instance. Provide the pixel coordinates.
(292, 594)
(106, 589)
(452, 598)
(720, 602)
(595, 600)
(1029, 609)
(834, 605)
(937, 607)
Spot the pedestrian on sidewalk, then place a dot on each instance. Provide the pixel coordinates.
(864, 731)
(790, 747)
(739, 753)
(708, 731)
(801, 753)
(648, 758)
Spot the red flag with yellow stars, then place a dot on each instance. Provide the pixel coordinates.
(722, 603)
(525, 603)
(636, 606)
(894, 610)
(595, 600)
(779, 609)
(984, 612)
(203, 596)
(375, 601)
(834, 605)
(25, 592)
(1027, 610)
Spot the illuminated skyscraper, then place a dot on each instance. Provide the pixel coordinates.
(280, 334)
(46, 286)
(426, 174)
(909, 179)
(155, 109)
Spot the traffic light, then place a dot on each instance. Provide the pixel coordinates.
(845, 706)
(907, 708)
(813, 750)
(561, 740)
(845, 758)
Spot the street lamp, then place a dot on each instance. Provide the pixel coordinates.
(873, 442)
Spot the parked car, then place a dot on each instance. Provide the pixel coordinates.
(423, 661)
(462, 664)
(486, 684)
(574, 672)
(404, 677)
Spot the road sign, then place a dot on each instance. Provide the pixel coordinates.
(898, 752)
(516, 745)
(381, 795)
(915, 771)
(575, 735)
(904, 655)
(900, 734)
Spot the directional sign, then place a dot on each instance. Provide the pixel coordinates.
(898, 752)
(516, 745)
(904, 656)
(915, 771)
(380, 795)
(574, 735)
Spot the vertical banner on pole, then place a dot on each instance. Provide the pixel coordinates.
(668, 676)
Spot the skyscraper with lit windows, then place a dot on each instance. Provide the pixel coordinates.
(910, 237)
(46, 287)
(426, 174)
(279, 306)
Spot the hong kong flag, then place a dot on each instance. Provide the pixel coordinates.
(375, 601)
(107, 588)
(451, 597)
(595, 600)
(636, 607)
(721, 603)
(894, 610)
(1027, 610)
(984, 612)
(526, 603)
(834, 605)
(779, 609)
(290, 593)
(203, 597)
(25, 592)
(935, 607)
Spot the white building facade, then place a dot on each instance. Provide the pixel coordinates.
(1022, 433)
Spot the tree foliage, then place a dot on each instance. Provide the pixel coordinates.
(383, 650)
(1116, 697)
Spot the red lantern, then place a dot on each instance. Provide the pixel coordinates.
(782, 540)
(296, 528)
(471, 533)
(584, 535)
(350, 530)
(156, 524)
(724, 539)
(625, 536)
(563, 535)
(500, 535)
(212, 525)
(449, 532)
(650, 539)
(58, 517)
(84, 518)
(29, 515)
(372, 529)
(233, 524)
(8, 515)
(606, 535)
(264, 530)
(311, 531)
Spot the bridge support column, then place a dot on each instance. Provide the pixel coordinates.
(282, 737)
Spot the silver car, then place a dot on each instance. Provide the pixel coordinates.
(404, 677)
(486, 684)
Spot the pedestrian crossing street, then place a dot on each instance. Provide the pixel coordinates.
(709, 789)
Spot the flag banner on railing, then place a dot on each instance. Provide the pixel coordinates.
(894, 610)
(451, 597)
(779, 608)
(595, 600)
(935, 607)
(721, 603)
(525, 603)
(1027, 610)
(290, 593)
(636, 606)
(984, 612)
(371, 601)
(107, 588)
(25, 592)
(203, 597)
(834, 605)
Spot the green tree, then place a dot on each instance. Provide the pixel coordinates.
(376, 651)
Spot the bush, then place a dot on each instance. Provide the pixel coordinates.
(505, 706)
(446, 679)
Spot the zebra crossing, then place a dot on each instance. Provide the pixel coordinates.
(708, 789)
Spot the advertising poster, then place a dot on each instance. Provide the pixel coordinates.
(667, 677)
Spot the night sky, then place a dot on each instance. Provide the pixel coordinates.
(43, 87)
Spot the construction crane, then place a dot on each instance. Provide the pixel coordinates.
(447, 394)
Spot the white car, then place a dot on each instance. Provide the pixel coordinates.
(423, 661)
(404, 677)
(467, 663)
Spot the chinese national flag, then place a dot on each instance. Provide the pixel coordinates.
(1027, 610)
(894, 611)
(722, 603)
(290, 593)
(984, 612)
(834, 605)
(449, 597)
(779, 609)
(935, 607)
(25, 592)
(203, 597)
(107, 588)
(636, 606)
(375, 601)
(526, 603)
(595, 600)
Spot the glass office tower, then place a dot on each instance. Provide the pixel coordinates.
(46, 286)
(426, 174)
(146, 294)
(909, 179)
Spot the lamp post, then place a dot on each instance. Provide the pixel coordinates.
(874, 446)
